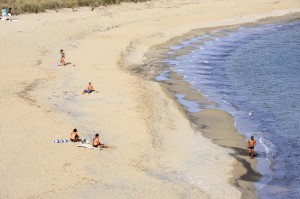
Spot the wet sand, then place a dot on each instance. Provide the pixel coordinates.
(213, 124)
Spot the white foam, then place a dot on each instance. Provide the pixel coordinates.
(270, 148)
(206, 67)
(226, 102)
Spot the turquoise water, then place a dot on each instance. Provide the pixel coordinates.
(254, 74)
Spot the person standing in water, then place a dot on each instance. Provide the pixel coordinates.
(251, 145)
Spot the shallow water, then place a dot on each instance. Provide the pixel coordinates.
(253, 73)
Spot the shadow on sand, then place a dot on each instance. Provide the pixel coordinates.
(251, 175)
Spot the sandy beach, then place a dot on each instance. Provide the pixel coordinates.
(159, 153)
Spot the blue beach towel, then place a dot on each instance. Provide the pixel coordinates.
(62, 141)
(67, 140)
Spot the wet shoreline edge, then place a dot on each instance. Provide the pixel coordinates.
(203, 121)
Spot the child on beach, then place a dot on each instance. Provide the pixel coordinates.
(89, 89)
(4, 14)
(62, 57)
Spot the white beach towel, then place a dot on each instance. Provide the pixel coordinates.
(89, 146)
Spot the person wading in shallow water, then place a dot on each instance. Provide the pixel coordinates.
(251, 144)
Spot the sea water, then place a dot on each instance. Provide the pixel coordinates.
(254, 74)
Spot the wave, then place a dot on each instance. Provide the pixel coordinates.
(270, 148)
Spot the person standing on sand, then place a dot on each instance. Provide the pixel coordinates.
(4, 14)
(74, 136)
(96, 142)
(9, 13)
(251, 144)
(62, 57)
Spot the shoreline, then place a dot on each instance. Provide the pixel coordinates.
(151, 133)
(245, 173)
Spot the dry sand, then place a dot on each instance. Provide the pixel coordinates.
(159, 154)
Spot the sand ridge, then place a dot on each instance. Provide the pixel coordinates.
(41, 102)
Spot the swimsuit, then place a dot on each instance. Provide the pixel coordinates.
(251, 147)
(75, 139)
(96, 145)
(88, 91)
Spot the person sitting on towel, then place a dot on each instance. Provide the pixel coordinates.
(89, 89)
(96, 142)
(74, 136)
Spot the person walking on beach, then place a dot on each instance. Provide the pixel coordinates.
(96, 142)
(62, 57)
(251, 144)
(74, 136)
